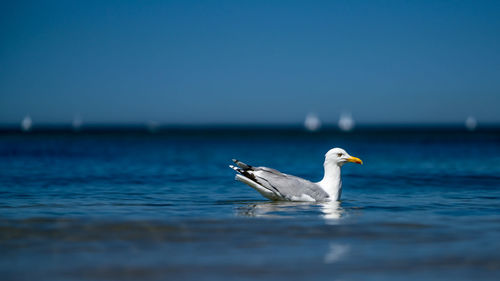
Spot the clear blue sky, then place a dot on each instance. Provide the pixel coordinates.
(204, 62)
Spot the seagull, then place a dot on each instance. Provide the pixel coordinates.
(279, 186)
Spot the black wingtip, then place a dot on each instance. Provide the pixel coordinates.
(242, 165)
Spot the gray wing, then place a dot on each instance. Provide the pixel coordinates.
(289, 187)
(280, 185)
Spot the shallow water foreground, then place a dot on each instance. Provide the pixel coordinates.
(424, 206)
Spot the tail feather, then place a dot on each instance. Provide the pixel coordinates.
(245, 175)
(236, 169)
(243, 169)
(242, 165)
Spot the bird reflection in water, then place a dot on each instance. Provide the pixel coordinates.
(336, 252)
(332, 211)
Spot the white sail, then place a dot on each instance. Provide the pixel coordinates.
(470, 123)
(27, 123)
(77, 122)
(153, 126)
(346, 123)
(312, 122)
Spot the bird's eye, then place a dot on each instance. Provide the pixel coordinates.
(339, 154)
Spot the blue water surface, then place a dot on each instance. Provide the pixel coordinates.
(139, 206)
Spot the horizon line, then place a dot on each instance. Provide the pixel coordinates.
(159, 128)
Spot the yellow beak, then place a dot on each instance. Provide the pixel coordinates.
(354, 160)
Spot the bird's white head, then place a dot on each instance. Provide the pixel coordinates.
(338, 156)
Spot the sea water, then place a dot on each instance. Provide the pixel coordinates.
(140, 206)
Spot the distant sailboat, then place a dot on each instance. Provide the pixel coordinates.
(152, 126)
(470, 123)
(346, 123)
(26, 124)
(312, 122)
(77, 123)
